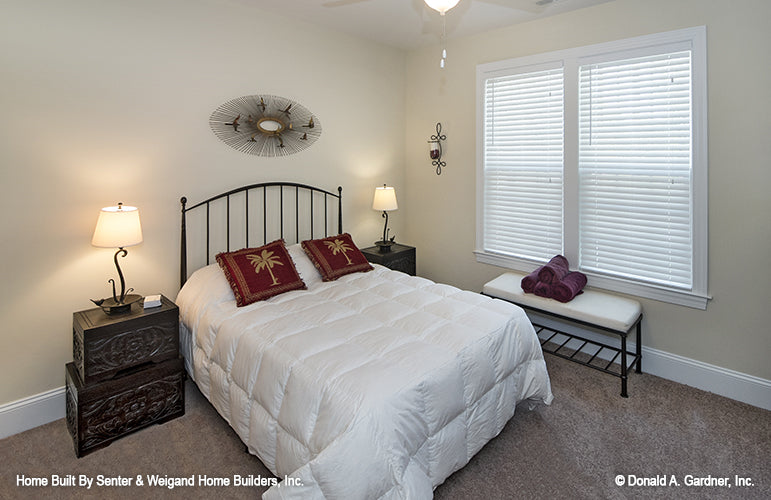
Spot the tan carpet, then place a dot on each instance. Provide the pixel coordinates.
(574, 448)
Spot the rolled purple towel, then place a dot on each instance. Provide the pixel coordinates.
(543, 290)
(528, 282)
(554, 270)
(568, 287)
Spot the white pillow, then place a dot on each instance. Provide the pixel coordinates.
(308, 272)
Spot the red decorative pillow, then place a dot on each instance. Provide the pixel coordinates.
(336, 256)
(260, 273)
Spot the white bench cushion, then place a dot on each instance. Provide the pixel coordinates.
(597, 308)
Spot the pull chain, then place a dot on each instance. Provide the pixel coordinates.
(444, 34)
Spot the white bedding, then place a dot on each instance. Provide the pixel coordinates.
(377, 385)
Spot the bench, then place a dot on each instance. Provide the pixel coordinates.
(594, 309)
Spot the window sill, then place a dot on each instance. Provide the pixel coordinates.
(679, 297)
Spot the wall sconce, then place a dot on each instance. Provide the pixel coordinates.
(435, 149)
(385, 200)
(118, 227)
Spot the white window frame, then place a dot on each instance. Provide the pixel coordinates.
(571, 59)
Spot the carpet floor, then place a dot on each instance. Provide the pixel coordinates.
(582, 446)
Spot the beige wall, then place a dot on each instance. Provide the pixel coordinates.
(734, 330)
(107, 101)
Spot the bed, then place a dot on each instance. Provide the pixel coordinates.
(373, 385)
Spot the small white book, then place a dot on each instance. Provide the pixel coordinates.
(152, 301)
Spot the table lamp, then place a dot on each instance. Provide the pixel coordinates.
(118, 227)
(385, 200)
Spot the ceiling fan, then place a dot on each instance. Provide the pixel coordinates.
(443, 6)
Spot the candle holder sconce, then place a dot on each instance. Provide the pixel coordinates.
(435, 149)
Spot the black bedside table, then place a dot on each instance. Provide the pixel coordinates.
(126, 373)
(400, 258)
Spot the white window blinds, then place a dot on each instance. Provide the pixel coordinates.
(523, 164)
(635, 163)
(599, 153)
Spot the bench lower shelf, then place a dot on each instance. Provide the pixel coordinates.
(627, 359)
(589, 353)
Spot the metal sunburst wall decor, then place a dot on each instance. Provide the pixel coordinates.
(265, 125)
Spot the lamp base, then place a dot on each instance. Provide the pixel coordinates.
(111, 306)
(384, 246)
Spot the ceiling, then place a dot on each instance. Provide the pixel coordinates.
(408, 24)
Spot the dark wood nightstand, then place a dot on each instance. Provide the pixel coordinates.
(126, 373)
(400, 258)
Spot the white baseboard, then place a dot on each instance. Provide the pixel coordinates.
(45, 407)
(735, 385)
(748, 389)
(33, 411)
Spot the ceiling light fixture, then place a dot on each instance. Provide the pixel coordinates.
(442, 6)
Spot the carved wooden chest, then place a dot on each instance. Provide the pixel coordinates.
(103, 346)
(99, 413)
(126, 373)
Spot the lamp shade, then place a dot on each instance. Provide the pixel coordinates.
(385, 199)
(117, 227)
(441, 6)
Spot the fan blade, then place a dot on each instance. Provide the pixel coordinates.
(534, 6)
(340, 3)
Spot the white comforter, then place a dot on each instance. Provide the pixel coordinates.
(377, 385)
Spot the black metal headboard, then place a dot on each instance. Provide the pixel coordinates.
(275, 209)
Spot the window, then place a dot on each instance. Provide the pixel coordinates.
(599, 153)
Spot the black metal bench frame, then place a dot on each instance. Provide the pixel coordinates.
(628, 359)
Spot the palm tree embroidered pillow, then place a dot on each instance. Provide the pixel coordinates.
(336, 256)
(260, 273)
